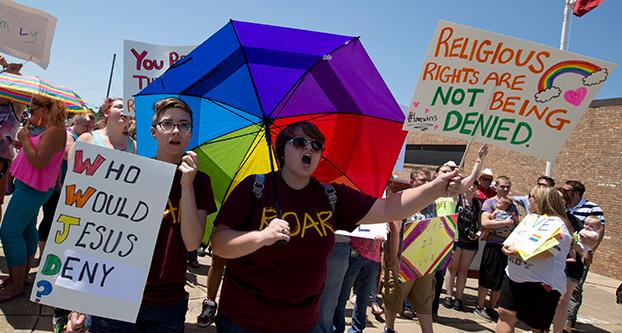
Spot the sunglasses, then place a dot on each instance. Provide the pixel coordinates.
(300, 142)
(169, 125)
(484, 179)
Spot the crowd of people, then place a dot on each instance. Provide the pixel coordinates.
(278, 276)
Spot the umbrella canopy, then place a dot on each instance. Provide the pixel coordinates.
(21, 89)
(250, 79)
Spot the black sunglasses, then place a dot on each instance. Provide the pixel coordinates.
(300, 142)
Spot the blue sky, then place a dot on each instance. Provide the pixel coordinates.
(396, 34)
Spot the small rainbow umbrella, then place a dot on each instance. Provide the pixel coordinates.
(248, 81)
(21, 89)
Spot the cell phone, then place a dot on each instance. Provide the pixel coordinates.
(25, 116)
(9, 138)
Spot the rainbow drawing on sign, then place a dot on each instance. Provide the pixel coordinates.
(591, 74)
(535, 238)
(579, 67)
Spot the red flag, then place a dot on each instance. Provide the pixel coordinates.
(581, 7)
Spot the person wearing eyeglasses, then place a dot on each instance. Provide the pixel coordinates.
(581, 208)
(273, 288)
(165, 300)
(35, 170)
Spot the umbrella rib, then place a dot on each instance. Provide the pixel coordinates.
(289, 94)
(227, 139)
(248, 155)
(248, 68)
(343, 173)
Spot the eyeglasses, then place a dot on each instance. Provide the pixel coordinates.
(565, 190)
(169, 125)
(34, 107)
(485, 179)
(300, 142)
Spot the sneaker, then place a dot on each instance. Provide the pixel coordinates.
(208, 313)
(458, 305)
(201, 251)
(448, 303)
(482, 314)
(58, 324)
(388, 330)
(493, 314)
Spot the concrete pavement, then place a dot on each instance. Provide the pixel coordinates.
(599, 313)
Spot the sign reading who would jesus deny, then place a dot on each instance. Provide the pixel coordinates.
(98, 254)
(504, 91)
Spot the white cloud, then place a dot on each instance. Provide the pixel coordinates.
(596, 77)
(547, 94)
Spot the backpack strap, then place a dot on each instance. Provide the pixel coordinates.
(258, 185)
(331, 194)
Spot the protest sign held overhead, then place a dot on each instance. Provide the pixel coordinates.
(504, 91)
(143, 63)
(99, 250)
(26, 32)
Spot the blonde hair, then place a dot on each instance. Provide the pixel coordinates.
(58, 113)
(548, 201)
(82, 116)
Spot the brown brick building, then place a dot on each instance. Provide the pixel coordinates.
(592, 155)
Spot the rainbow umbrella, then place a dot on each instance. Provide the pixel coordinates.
(21, 89)
(248, 81)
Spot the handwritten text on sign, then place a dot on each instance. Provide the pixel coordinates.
(520, 95)
(99, 250)
(143, 63)
(26, 32)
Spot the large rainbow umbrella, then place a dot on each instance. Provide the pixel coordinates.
(21, 89)
(248, 81)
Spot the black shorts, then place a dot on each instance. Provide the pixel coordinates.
(492, 267)
(533, 304)
(471, 246)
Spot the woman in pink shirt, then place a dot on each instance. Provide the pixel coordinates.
(35, 170)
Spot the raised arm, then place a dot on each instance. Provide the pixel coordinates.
(477, 167)
(408, 202)
(192, 219)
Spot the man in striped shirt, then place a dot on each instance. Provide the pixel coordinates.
(581, 208)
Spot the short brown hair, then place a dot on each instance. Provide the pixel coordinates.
(576, 186)
(167, 103)
(506, 178)
(288, 132)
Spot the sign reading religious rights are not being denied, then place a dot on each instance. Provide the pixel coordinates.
(98, 254)
(504, 91)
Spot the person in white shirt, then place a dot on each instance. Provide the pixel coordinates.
(532, 288)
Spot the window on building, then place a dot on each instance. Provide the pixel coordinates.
(433, 155)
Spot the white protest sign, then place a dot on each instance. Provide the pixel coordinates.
(26, 32)
(519, 95)
(371, 231)
(98, 254)
(143, 63)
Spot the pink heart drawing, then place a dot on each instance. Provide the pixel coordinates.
(415, 104)
(575, 97)
(436, 126)
(427, 110)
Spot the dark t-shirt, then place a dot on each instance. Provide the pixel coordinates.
(277, 288)
(167, 275)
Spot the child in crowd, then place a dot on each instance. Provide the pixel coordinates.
(502, 212)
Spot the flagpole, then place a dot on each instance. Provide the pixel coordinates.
(114, 56)
(562, 46)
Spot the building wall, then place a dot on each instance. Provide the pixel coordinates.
(592, 155)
